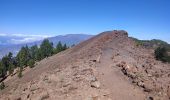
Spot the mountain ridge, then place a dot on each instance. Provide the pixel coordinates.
(108, 66)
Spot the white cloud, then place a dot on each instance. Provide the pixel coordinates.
(169, 41)
(27, 35)
(23, 38)
(2, 34)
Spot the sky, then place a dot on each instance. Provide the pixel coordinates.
(142, 19)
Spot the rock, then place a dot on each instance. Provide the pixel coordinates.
(96, 98)
(43, 96)
(98, 58)
(89, 98)
(168, 75)
(66, 84)
(45, 78)
(141, 84)
(129, 70)
(95, 84)
(148, 86)
(92, 78)
(28, 96)
(86, 71)
(72, 88)
(150, 98)
(149, 75)
(19, 98)
(94, 60)
(121, 64)
(158, 87)
(33, 88)
(168, 92)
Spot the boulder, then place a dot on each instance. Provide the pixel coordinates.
(129, 70)
(95, 84)
(148, 86)
(34, 87)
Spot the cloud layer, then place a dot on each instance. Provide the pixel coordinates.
(20, 38)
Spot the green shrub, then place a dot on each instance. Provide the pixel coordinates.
(161, 53)
(138, 42)
(31, 63)
(2, 86)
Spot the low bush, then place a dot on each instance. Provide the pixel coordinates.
(2, 86)
(161, 53)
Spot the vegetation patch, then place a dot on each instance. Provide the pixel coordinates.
(162, 49)
(161, 53)
(27, 56)
(2, 86)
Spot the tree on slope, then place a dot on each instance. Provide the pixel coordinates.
(2, 70)
(23, 56)
(34, 52)
(65, 47)
(46, 48)
(58, 48)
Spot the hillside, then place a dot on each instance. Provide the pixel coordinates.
(109, 66)
(153, 44)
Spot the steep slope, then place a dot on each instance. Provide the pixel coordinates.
(108, 66)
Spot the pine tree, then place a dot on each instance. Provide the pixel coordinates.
(38, 55)
(73, 45)
(5, 64)
(2, 70)
(28, 55)
(10, 63)
(46, 49)
(31, 63)
(59, 47)
(65, 47)
(34, 52)
(11, 68)
(23, 56)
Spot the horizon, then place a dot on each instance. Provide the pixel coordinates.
(142, 19)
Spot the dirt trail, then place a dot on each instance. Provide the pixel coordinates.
(113, 80)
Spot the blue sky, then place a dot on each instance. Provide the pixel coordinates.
(143, 19)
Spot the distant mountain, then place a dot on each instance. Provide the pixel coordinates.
(70, 39)
(7, 42)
